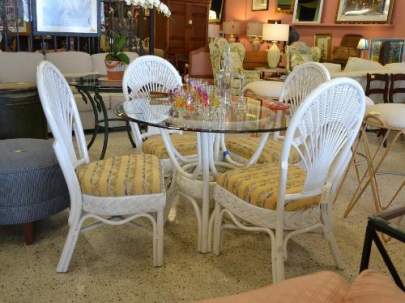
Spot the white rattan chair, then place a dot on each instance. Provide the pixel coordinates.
(112, 191)
(298, 85)
(260, 198)
(144, 76)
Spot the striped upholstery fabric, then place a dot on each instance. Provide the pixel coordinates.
(121, 176)
(259, 184)
(185, 144)
(246, 145)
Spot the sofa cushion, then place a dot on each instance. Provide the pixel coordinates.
(395, 68)
(71, 62)
(268, 89)
(373, 287)
(19, 66)
(332, 67)
(358, 64)
(323, 287)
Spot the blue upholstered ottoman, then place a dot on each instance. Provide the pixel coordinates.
(32, 186)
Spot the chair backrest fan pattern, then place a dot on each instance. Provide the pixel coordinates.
(301, 82)
(64, 121)
(323, 130)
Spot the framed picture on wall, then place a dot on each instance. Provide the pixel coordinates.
(387, 51)
(285, 6)
(307, 11)
(324, 42)
(16, 16)
(260, 5)
(61, 17)
(360, 11)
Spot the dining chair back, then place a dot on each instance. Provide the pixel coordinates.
(301, 82)
(145, 76)
(114, 191)
(64, 121)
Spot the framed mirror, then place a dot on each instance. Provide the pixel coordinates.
(285, 6)
(216, 9)
(307, 11)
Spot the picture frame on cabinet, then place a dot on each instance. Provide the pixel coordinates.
(359, 11)
(387, 51)
(307, 11)
(260, 5)
(324, 42)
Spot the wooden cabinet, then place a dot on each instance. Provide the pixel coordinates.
(185, 30)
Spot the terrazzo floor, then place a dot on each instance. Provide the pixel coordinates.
(114, 264)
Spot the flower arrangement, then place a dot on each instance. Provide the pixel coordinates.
(151, 4)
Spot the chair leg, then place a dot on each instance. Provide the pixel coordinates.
(330, 237)
(29, 230)
(68, 249)
(217, 230)
(158, 243)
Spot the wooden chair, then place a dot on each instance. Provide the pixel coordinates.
(378, 84)
(397, 86)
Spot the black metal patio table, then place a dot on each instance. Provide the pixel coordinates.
(92, 88)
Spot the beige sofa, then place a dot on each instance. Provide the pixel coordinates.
(358, 68)
(21, 67)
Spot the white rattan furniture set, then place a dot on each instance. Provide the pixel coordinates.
(325, 117)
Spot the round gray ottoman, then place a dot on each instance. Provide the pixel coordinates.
(32, 186)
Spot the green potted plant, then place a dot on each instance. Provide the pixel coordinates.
(116, 60)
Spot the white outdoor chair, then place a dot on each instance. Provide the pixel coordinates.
(298, 85)
(152, 74)
(112, 191)
(260, 198)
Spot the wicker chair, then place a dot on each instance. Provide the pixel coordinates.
(298, 85)
(143, 77)
(284, 200)
(110, 191)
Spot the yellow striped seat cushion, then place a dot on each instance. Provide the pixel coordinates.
(185, 144)
(128, 175)
(246, 145)
(259, 185)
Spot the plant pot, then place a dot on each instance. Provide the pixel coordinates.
(115, 70)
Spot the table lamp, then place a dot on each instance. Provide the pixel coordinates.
(213, 31)
(231, 28)
(363, 47)
(254, 31)
(275, 33)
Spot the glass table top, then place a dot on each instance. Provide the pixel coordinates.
(94, 82)
(250, 117)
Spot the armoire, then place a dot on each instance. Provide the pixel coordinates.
(185, 30)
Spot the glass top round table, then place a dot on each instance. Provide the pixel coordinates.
(195, 175)
(250, 117)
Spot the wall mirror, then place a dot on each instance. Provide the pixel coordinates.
(285, 6)
(307, 11)
(216, 10)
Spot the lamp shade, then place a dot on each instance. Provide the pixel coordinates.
(363, 44)
(276, 32)
(213, 30)
(254, 29)
(231, 27)
(213, 15)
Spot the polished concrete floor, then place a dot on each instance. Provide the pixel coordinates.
(114, 264)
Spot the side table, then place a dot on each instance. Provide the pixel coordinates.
(384, 223)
